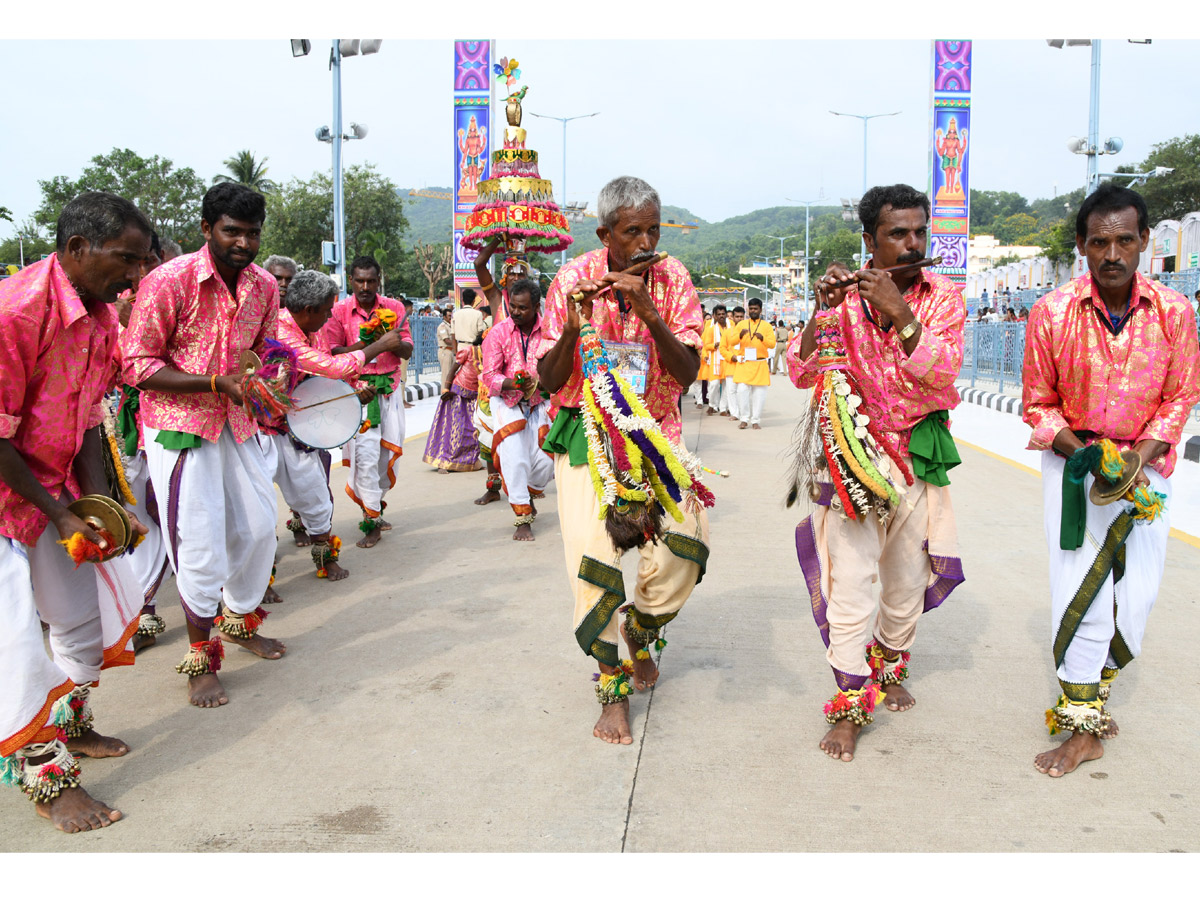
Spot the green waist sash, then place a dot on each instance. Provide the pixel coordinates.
(176, 440)
(932, 449)
(131, 399)
(1072, 525)
(383, 386)
(567, 436)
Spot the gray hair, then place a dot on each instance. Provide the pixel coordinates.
(309, 290)
(170, 249)
(98, 217)
(625, 192)
(285, 261)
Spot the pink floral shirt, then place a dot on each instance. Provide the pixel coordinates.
(898, 389)
(507, 351)
(313, 355)
(186, 318)
(56, 362)
(467, 376)
(342, 330)
(678, 305)
(1137, 385)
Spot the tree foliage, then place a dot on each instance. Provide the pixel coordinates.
(300, 215)
(36, 244)
(1175, 195)
(243, 168)
(169, 197)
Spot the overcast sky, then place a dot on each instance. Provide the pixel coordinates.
(721, 127)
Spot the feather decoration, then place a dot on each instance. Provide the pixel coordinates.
(267, 393)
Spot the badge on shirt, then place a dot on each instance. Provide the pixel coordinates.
(751, 354)
(631, 361)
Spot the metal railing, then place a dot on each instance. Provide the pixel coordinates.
(425, 358)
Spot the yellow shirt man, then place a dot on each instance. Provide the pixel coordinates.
(749, 342)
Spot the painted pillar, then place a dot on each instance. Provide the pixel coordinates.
(472, 146)
(950, 154)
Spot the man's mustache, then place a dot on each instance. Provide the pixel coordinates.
(643, 256)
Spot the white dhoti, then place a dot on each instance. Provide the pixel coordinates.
(517, 452)
(1097, 621)
(302, 481)
(372, 454)
(149, 559)
(731, 392)
(718, 395)
(92, 612)
(750, 400)
(217, 507)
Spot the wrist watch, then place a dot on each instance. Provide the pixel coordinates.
(909, 330)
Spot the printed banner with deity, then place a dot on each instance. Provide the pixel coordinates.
(950, 139)
(472, 144)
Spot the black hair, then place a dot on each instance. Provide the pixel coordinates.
(468, 296)
(365, 262)
(720, 306)
(234, 200)
(740, 309)
(1110, 197)
(526, 286)
(155, 246)
(754, 301)
(897, 196)
(98, 217)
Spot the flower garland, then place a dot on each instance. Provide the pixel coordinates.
(886, 671)
(202, 658)
(615, 687)
(239, 626)
(623, 437)
(382, 321)
(856, 706)
(326, 553)
(114, 452)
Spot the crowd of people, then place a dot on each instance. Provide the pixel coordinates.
(195, 452)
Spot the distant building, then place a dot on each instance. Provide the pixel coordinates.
(984, 252)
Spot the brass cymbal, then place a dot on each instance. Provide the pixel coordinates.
(249, 362)
(1104, 492)
(99, 511)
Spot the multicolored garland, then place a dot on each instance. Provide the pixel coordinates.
(856, 706)
(202, 658)
(115, 458)
(381, 322)
(636, 471)
(239, 626)
(324, 553)
(267, 393)
(836, 433)
(615, 687)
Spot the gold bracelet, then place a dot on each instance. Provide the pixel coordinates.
(484, 287)
(909, 330)
(212, 385)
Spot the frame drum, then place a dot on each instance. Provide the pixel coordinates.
(328, 413)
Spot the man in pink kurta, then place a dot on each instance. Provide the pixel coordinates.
(903, 337)
(509, 351)
(659, 312)
(1108, 356)
(194, 318)
(371, 455)
(56, 363)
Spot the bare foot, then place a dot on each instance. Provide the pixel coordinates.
(613, 724)
(383, 524)
(443, 471)
(76, 810)
(142, 641)
(271, 596)
(206, 691)
(756, 427)
(334, 572)
(711, 411)
(96, 746)
(1110, 731)
(645, 671)
(259, 645)
(897, 698)
(523, 533)
(839, 742)
(488, 497)
(1066, 757)
(725, 413)
(408, 405)
(302, 538)
(370, 539)
(743, 425)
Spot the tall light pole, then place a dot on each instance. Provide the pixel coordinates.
(807, 208)
(865, 119)
(334, 136)
(781, 240)
(564, 120)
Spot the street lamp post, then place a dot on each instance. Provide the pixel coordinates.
(564, 120)
(807, 204)
(865, 120)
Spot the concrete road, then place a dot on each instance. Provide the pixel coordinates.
(437, 700)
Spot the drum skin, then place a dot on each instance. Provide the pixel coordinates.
(328, 413)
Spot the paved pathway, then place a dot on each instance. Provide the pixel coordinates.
(437, 700)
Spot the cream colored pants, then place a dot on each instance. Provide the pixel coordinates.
(664, 579)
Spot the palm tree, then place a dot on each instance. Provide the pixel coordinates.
(245, 169)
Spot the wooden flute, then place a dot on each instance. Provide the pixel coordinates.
(903, 267)
(635, 269)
